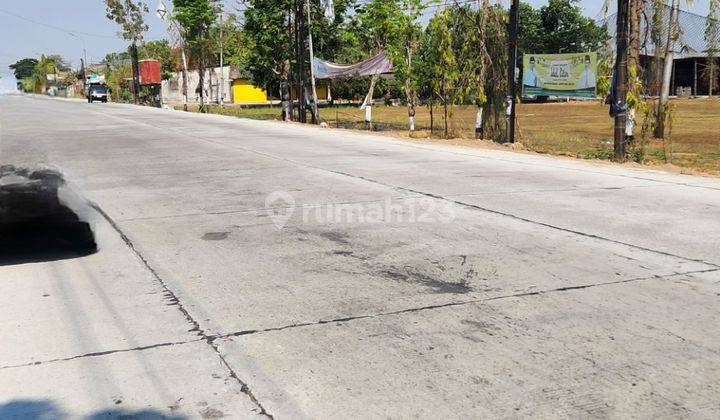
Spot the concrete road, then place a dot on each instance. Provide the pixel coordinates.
(251, 269)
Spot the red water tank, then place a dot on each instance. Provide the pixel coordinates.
(150, 73)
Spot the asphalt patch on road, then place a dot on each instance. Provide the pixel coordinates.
(37, 223)
(215, 236)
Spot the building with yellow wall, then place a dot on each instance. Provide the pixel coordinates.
(245, 93)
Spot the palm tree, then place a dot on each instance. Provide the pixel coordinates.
(46, 65)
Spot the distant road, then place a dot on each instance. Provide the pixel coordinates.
(253, 268)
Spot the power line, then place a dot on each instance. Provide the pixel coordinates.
(57, 28)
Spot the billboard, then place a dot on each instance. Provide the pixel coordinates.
(567, 75)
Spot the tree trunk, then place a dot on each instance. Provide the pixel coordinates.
(201, 76)
(432, 117)
(667, 74)
(185, 78)
(409, 92)
(637, 7)
(367, 105)
(445, 110)
(479, 123)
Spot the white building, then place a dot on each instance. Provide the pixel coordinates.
(172, 89)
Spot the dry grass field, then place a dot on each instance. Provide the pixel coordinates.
(577, 129)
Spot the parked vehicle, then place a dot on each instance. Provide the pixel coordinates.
(97, 93)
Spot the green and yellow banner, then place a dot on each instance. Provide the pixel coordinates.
(566, 75)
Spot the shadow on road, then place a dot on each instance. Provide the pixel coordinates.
(27, 409)
(35, 224)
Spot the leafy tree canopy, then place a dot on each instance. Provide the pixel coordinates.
(129, 15)
(23, 68)
(160, 50)
(559, 27)
(195, 17)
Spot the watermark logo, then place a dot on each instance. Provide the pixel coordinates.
(281, 206)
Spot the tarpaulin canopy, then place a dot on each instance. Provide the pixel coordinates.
(376, 65)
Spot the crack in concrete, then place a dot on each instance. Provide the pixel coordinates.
(212, 338)
(454, 304)
(100, 353)
(244, 388)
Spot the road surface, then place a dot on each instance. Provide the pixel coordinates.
(250, 269)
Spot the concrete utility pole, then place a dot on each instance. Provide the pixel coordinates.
(512, 65)
(85, 64)
(300, 55)
(222, 64)
(221, 88)
(315, 116)
(621, 78)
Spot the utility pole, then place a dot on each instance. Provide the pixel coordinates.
(620, 81)
(222, 62)
(300, 55)
(135, 72)
(221, 88)
(512, 65)
(315, 116)
(85, 63)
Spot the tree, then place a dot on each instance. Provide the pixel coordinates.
(23, 68)
(269, 29)
(118, 69)
(673, 33)
(490, 85)
(392, 27)
(404, 59)
(160, 50)
(236, 44)
(196, 17)
(712, 40)
(559, 27)
(47, 65)
(380, 26)
(129, 15)
(637, 9)
(440, 57)
(463, 61)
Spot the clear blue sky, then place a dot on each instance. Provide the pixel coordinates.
(21, 38)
